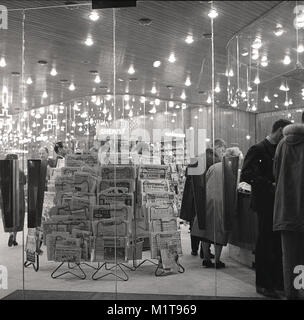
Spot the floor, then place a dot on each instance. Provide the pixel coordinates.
(235, 280)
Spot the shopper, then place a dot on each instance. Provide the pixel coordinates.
(60, 150)
(44, 155)
(214, 231)
(289, 205)
(258, 172)
(193, 201)
(12, 240)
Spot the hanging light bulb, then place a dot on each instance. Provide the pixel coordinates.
(108, 97)
(209, 99)
(171, 104)
(217, 88)
(153, 90)
(153, 110)
(254, 108)
(234, 104)
(282, 87)
(89, 41)
(183, 95)
(94, 16)
(184, 106)
(212, 14)
(127, 106)
(104, 111)
(286, 103)
(257, 80)
(231, 73)
(189, 39)
(97, 79)
(126, 97)
(142, 99)
(257, 44)
(287, 60)
(290, 101)
(276, 106)
(53, 72)
(300, 48)
(130, 114)
(157, 102)
(243, 94)
(72, 87)
(44, 95)
(188, 82)
(2, 62)
(278, 30)
(248, 137)
(110, 117)
(172, 58)
(131, 70)
(29, 80)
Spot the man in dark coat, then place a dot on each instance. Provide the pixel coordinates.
(289, 206)
(258, 172)
(194, 201)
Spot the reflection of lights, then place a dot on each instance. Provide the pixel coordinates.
(130, 114)
(188, 82)
(171, 104)
(276, 106)
(257, 79)
(94, 16)
(126, 97)
(217, 88)
(44, 95)
(142, 99)
(275, 95)
(156, 64)
(254, 108)
(157, 102)
(257, 44)
(209, 100)
(287, 60)
(89, 41)
(2, 62)
(278, 30)
(53, 72)
(248, 137)
(72, 87)
(300, 48)
(183, 95)
(131, 70)
(172, 58)
(189, 39)
(153, 90)
(29, 80)
(266, 99)
(97, 79)
(153, 110)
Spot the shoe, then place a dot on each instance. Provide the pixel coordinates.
(202, 255)
(220, 265)
(208, 264)
(194, 253)
(15, 243)
(10, 240)
(270, 293)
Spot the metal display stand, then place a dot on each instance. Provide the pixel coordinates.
(165, 272)
(125, 277)
(35, 264)
(69, 272)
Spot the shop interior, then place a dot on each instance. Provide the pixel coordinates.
(165, 77)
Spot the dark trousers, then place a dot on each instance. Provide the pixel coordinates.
(293, 259)
(268, 253)
(195, 241)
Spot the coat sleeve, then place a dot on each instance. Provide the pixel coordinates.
(251, 172)
(277, 160)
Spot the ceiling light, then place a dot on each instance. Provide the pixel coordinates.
(217, 88)
(29, 80)
(153, 110)
(230, 73)
(189, 39)
(142, 99)
(257, 44)
(278, 30)
(300, 48)
(2, 62)
(72, 87)
(97, 79)
(53, 72)
(212, 14)
(257, 79)
(126, 97)
(153, 90)
(94, 16)
(172, 58)
(89, 41)
(244, 52)
(188, 82)
(183, 95)
(264, 63)
(44, 95)
(286, 103)
(156, 64)
(209, 100)
(157, 102)
(287, 60)
(171, 104)
(131, 70)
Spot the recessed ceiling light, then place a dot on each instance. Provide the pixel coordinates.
(94, 16)
(156, 64)
(189, 39)
(172, 58)
(89, 41)
(145, 21)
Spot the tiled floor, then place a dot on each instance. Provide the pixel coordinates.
(234, 281)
